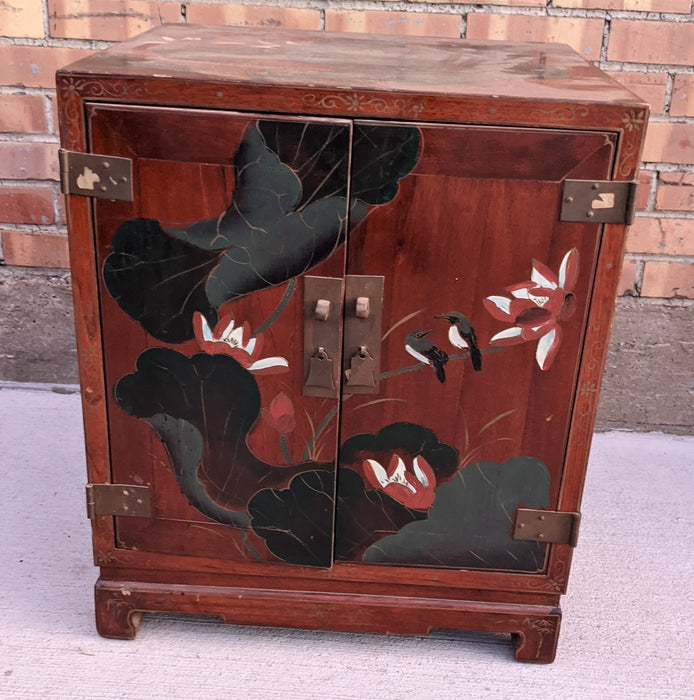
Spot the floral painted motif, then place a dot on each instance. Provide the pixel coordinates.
(535, 308)
(280, 415)
(235, 341)
(414, 489)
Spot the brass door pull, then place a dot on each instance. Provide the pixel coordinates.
(320, 371)
(362, 371)
(362, 307)
(322, 310)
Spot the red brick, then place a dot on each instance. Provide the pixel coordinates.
(673, 6)
(377, 22)
(583, 35)
(627, 280)
(30, 249)
(683, 96)
(29, 161)
(661, 236)
(23, 113)
(21, 18)
(669, 143)
(668, 280)
(108, 20)
(35, 66)
(642, 41)
(26, 205)
(675, 192)
(650, 87)
(252, 16)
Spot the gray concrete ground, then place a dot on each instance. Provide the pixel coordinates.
(626, 631)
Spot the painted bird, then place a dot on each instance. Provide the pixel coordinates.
(462, 335)
(421, 348)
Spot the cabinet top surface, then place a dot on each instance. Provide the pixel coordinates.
(323, 60)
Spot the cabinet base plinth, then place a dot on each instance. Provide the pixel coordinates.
(534, 628)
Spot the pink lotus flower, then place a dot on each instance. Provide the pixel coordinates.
(414, 489)
(535, 307)
(235, 341)
(280, 416)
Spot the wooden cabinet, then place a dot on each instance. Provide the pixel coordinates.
(342, 313)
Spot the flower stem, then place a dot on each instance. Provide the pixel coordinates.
(321, 427)
(288, 292)
(285, 448)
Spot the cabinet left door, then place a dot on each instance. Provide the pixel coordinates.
(201, 298)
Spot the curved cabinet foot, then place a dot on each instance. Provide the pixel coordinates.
(536, 639)
(115, 615)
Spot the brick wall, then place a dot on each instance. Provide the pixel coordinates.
(646, 44)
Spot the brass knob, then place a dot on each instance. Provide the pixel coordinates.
(322, 310)
(362, 307)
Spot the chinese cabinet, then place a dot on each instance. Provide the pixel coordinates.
(342, 309)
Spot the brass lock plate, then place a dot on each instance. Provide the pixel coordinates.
(363, 311)
(322, 336)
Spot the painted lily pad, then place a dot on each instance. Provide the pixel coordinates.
(283, 219)
(470, 522)
(297, 522)
(210, 398)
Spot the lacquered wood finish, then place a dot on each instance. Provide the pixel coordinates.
(444, 83)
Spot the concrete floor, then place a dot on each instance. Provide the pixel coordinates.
(625, 632)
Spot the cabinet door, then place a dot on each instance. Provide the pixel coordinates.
(204, 295)
(201, 282)
(485, 300)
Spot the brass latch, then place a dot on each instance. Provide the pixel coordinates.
(117, 499)
(598, 201)
(105, 177)
(546, 526)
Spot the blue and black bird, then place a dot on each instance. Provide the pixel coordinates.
(422, 349)
(462, 335)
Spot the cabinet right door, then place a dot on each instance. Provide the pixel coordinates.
(486, 295)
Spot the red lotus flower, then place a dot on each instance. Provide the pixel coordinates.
(414, 489)
(236, 342)
(535, 307)
(280, 416)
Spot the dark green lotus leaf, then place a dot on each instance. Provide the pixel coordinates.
(288, 246)
(404, 439)
(318, 152)
(265, 190)
(470, 521)
(284, 218)
(158, 280)
(267, 234)
(183, 443)
(381, 156)
(220, 399)
(364, 516)
(297, 522)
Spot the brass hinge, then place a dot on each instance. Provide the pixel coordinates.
(598, 201)
(117, 499)
(105, 177)
(546, 526)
